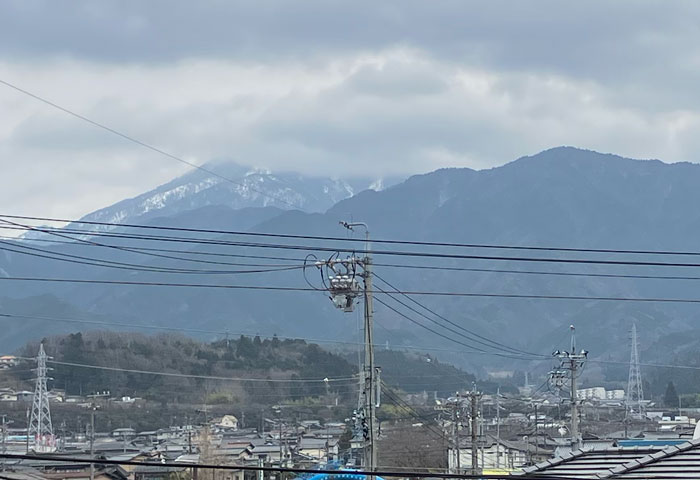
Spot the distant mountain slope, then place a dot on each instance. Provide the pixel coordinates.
(561, 197)
(247, 188)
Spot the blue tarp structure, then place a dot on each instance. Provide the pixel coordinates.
(341, 475)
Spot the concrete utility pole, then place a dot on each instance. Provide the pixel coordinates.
(92, 440)
(474, 397)
(27, 435)
(537, 432)
(278, 411)
(498, 427)
(344, 290)
(570, 364)
(5, 423)
(456, 408)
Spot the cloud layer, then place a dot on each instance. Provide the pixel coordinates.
(333, 88)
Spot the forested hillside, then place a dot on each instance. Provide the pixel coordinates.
(242, 371)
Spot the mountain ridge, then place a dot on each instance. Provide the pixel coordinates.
(561, 197)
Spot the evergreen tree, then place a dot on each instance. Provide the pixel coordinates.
(671, 396)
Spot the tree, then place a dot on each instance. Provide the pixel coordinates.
(671, 396)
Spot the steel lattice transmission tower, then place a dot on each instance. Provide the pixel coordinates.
(635, 392)
(40, 426)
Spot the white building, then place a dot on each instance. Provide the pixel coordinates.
(600, 393)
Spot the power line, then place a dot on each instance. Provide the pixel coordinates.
(188, 252)
(318, 248)
(79, 259)
(201, 377)
(538, 272)
(143, 144)
(115, 247)
(309, 289)
(380, 241)
(385, 252)
(480, 338)
(379, 264)
(410, 410)
(474, 349)
(213, 332)
(162, 284)
(446, 337)
(205, 466)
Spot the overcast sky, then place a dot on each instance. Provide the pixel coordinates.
(334, 88)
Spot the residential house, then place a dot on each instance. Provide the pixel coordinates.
(672, 462)
(67, 470)
(493, 453)
(7, 395)
(229, 422)
(157, 472)
(322, 449)
(8, 361)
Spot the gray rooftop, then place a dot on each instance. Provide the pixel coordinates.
(589, 463)
(674, 462)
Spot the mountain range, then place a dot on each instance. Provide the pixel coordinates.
(563, 197)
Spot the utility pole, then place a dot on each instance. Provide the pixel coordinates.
(63, 436)
(456, 406)
(278, 411)
(4, 441)
(344, 289)
(498, 427)
(569, 364)
(92, 440)
(474, 397)
(537, 433)
(27, 434)
(5, 423)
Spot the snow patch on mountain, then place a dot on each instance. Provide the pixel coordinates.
(233, 186)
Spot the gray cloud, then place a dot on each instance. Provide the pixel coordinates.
(603, 39)
(338, 88)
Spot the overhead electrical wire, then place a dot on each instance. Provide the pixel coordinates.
(221, 333)
(536, 272)
(79, 259)
(309, 289)
(144, 144)
(201, 377)
(409, 409)
(319, 248)
(115, 247)
(379, 241)
(446, 337)
(474, 349)
(306, 339)
(446, 268)
(15, 241)
(479, 338)
(253, 468)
